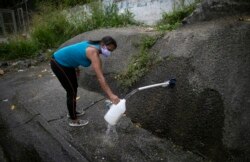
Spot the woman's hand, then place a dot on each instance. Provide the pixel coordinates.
(114, 99)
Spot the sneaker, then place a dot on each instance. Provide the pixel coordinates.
(77, 114)
(79, 123)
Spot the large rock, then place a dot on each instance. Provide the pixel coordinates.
(213, 9)
(208, 111)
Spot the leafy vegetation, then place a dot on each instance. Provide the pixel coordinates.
(18, 48)
(50, 32)
(51, 27)
(53, 24)
(171, 21)
(140, 63)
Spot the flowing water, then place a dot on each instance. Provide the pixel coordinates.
(111, 136)
(107, 147)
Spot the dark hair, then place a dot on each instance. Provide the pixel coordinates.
(107, 40)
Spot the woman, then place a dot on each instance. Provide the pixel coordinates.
(65, 62)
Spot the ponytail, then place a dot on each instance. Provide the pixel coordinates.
(107, 40)
(94, 41)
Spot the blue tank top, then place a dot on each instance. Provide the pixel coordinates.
(74, 55)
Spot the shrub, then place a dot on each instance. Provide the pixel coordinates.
(18, 48)
(55, 27)
(108, 16)
(172, 20)
(52, 31)
(51, 27)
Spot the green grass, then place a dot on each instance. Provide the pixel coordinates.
(171, 21)
(18, 48)
(51, 27)
(52, 31)
(140, 63)
(107, 17)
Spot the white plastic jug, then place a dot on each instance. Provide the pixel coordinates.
(115, 112)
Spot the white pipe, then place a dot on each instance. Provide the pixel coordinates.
(164, 84)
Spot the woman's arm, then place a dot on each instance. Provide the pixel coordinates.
(93, 55)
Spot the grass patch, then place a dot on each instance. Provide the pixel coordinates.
(18, 48)
(55, 27)
(52, 30)
(171, 21)
(102, 17)
(140, 63)
(51, 26)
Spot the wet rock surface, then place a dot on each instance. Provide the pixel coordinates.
(207, 111)
(191, 119)
(25, 135)
(34, 126)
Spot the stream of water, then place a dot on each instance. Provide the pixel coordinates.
(111, 136)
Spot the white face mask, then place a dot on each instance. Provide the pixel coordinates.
(105, 51)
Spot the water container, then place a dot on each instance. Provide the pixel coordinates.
(115, 112)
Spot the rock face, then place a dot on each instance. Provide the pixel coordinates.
(209, 108)
(208, 111)
(212, 9)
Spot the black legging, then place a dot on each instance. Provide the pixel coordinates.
(67, 77)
